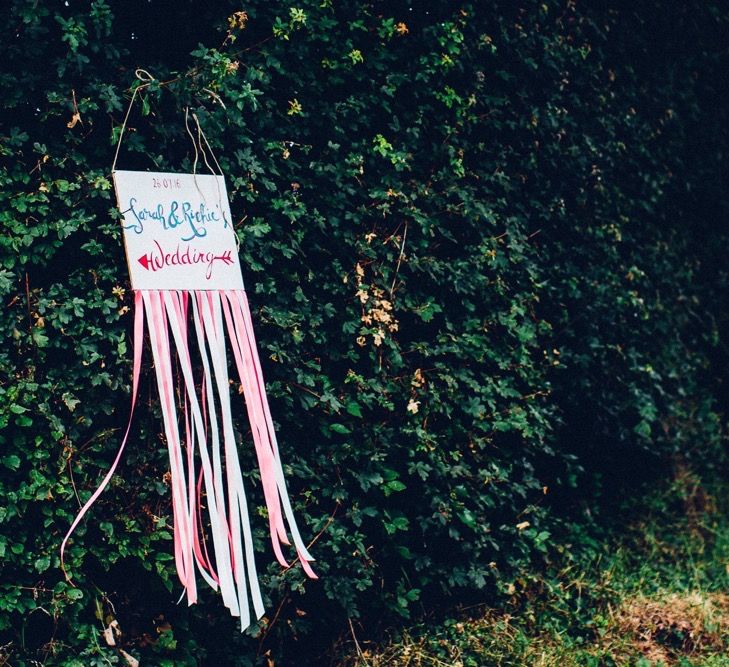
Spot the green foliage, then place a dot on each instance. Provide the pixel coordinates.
(650, 594)
(476, 242)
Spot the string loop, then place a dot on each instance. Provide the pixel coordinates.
(147, 80)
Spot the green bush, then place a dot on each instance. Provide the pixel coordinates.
(480, 246)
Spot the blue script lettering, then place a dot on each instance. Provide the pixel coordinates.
(180, 213)
(197, 219)
(142, 214)
(172, 219)
(222, 214)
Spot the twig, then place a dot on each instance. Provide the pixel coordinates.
(270, 625)
(397, 229)
(306, 389)
(399, 259)
(194, 70)
(73, 483)
(317, 536)
(326, 525)
(27, 302)
(76, 118)
(308, 546)
(356, 643)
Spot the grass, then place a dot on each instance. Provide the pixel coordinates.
(655, 594)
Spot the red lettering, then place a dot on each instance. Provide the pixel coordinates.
(159, 259)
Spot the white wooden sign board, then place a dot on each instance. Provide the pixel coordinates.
(178, 232)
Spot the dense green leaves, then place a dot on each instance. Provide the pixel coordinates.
(472, 240)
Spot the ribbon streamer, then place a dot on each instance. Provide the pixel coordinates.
(205, 472)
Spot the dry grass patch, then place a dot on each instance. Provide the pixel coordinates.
(666, 628)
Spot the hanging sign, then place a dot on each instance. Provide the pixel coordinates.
(183, 263)
(177, 231)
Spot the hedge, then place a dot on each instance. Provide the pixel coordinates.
(483, 244)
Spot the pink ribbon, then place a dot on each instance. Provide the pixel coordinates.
(213, 314)
(138, 332)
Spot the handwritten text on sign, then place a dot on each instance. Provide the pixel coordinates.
(177, 231)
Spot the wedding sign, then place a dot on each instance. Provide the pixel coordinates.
(177, 231)
(188, 290)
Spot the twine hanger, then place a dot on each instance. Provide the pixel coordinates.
(147, 80)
